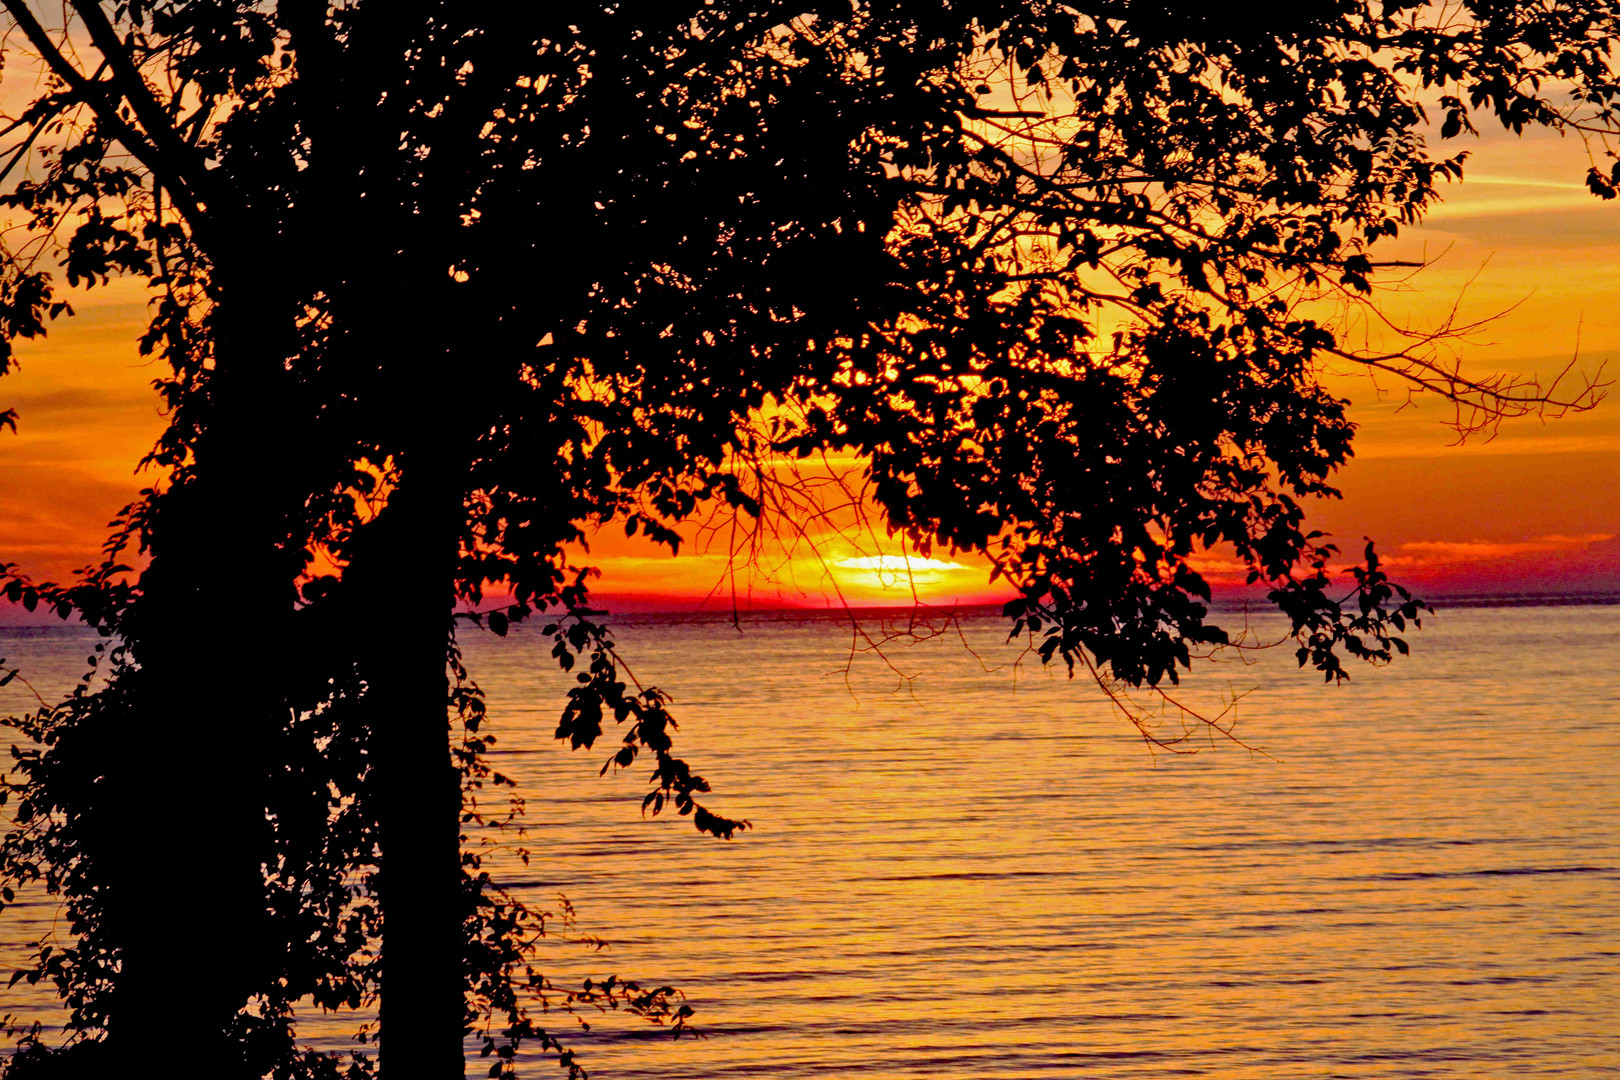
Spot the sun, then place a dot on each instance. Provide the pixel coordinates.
(901, 578)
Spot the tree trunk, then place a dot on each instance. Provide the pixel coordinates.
(187, 780)
(406, 586)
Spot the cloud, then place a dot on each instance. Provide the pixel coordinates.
(87, 402)
(1493, 205)
(1532, 182)
(1589, 538)
(55, 518)
(1422, 552)
(1552, 562)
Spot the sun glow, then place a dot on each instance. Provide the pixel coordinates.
(901, 577)
(896, 564)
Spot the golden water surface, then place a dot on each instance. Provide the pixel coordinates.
(979, 871)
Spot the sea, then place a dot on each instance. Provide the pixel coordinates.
(963, 864)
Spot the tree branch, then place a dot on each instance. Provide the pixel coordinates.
(93, 92)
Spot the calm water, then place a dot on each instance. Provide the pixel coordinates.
(981, 872)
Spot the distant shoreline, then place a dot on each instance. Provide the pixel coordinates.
(1224, 605)
(699, 612)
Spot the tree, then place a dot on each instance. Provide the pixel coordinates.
(1048, 267)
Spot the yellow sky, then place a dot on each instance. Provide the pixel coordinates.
(1538, 507)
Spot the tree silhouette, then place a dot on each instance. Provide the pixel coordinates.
(441, 286)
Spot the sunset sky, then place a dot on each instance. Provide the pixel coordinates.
(1536, 509)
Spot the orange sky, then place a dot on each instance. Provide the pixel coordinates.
(1537, 508)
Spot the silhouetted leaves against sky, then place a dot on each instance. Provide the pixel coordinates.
(440, 285)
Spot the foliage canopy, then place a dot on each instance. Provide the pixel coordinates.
(441, 286)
